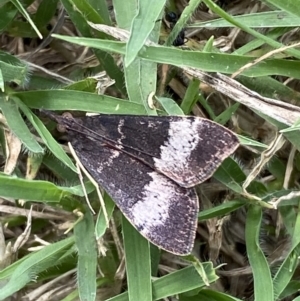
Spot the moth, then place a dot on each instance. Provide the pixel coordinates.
(149, 166)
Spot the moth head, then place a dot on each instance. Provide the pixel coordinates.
(66, 122)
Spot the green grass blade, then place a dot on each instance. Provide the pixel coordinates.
(231, 175)
(184, 280)
(269, 19)
(290, 6)
(25, 14)
(148, 12)
(138, 267)
(72, 100)
(8, 13)
(220, 210)
(180, 24)
(101, 224)
(14, 73)
(18, 126)
(87, 257)
(33, 265)
(45, 12)
(247, 29)
(191, 96)
(225, 116)
(286, 271)
(12, 187)
(263, 286)
(80, 11)
(209, 295)
(140, 75)
(51, 143)
(170, 106)
(206, 61)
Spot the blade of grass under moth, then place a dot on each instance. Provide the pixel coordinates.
(181, 281)
(184, 280)
(87, 257)
(101, 224)
(138, 267)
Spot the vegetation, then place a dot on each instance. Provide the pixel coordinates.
(238, 66)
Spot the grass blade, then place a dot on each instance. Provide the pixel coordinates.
(137, 251)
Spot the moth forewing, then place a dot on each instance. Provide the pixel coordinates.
(195, 148)
(161, 210)
(188, 150)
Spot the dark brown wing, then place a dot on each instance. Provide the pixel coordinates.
(161, 210)
(187, 150)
